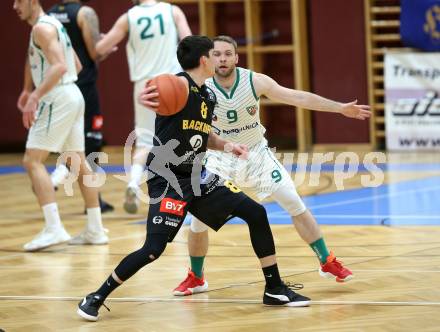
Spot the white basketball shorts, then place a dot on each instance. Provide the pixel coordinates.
(59, 124)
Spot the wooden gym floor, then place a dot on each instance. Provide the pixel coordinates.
(389, 236)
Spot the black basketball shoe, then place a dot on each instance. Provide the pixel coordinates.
(285, 296)
(89, 306)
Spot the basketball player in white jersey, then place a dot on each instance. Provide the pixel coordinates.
(153, 29)
(53, 111)
(236, 118)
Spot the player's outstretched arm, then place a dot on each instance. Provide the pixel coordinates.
(109, 41)
(181, 22)
(46, 37)
(88, 22)
(264, 85)
(215, 142)
(28, 86)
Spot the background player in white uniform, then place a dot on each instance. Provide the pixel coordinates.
(236, 118)
(82, 26)
(59, 125)
(153, 29)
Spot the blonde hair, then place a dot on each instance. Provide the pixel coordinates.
(226, 39)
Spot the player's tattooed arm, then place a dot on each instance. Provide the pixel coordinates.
(215, 142)
(88, 22)
(264, 85)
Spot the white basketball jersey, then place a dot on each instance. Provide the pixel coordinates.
(237, 112)
(37, 59)
(152, 41)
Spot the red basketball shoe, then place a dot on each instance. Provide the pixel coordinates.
(191, 285)
(334, 269)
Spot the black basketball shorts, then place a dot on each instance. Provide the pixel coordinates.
(215, 202)
(93, 119)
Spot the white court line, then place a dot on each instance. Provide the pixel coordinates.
(199, 300)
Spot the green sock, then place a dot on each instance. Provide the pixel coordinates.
(197, 265)
(320, 249)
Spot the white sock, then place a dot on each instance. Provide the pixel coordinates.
(51, 215)
(135, 175)
(59, 174)
(94, 220)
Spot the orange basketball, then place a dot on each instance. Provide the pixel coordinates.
(173, 93)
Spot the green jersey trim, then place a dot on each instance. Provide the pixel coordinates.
(237, 80)
(251, 73)
(42, 67)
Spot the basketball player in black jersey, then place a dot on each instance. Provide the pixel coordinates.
(82, 26)
(180, 143)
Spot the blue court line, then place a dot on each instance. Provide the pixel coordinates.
(15, 169)
(5, 170)
(412, 202)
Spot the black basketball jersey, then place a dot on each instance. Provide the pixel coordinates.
(189, 129)
(67, 14)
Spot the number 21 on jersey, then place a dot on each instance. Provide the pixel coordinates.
(147, 22)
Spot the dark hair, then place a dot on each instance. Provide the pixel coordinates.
(191, 49)
(226, 39)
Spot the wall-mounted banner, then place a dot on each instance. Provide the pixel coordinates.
(412, 102)
(420, 24)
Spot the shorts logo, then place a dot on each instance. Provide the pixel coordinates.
(172, 206)
(173, 222)
(157, 220)
(252, 110)
(98, 121)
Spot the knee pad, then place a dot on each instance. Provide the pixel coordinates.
(197, 226)
(288, 198)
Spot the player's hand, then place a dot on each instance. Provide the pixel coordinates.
(240, 150)
(22, 100)
(352, 110)
(148, 97)
(29, 111)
